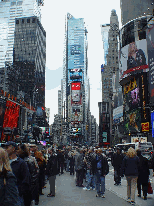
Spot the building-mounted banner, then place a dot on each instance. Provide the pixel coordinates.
(104, 135)
(145, 127)
(76, 86)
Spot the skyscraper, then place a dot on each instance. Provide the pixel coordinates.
(9, 10)
(75, 73)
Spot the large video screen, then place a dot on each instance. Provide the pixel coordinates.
(11, 115)
(132, 121)
(133, 58)
(76, 86)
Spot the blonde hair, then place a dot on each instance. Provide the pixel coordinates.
(130, 50)
(4, 160)
(131, 152)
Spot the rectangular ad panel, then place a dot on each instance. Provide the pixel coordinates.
(76, 86)
(132, 121)
(11, 115)
(118, 113)
(150, 50)
(76, 95)
(133, 59)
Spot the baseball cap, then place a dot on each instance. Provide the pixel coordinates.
(11, 143)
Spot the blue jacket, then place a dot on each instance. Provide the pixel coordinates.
(130, 166)
(9, 195)
(21, 172)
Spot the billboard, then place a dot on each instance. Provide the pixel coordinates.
(11, 115)
(152, 123)
(132, 121)
(150, 50)
(104, 135)
(117, 114)
(75, 76)
(133, 59)
(76, 86)
(75, 49)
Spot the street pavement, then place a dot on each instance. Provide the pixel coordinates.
(67, 194)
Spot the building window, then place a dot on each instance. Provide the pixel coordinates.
(17, 21)
(33, 20)
(23, 21)
(28, 20)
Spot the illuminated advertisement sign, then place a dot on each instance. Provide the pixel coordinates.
(132, 121)
(138, 139)
(117, 114)
(150, 50)
(76, 86)
(152, 123)
(75, 76)
(76, 95)
(145, 127)
(133, 59)
(11, 115)
(75, 49)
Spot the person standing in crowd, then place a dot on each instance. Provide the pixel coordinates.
(80, 165)
(130, 169)
(100, 168)
(72, 163)
(117, 159)
(23, 153)
(21, 172)
(9, 194)
(67, 157)
(42, 165)
(35, 186)
(143, 175)
(60, 161)
(89, 175)
(52, 171)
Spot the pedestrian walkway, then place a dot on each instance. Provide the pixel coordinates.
(67, 194)
(121, 191)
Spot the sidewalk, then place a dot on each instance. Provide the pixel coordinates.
(121, 191)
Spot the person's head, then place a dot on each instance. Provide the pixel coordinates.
(131, 152)
(11, 148)
(99, 151)
(138, 152)
(132, 48)
(23, 151)
(4, 160)
(81, 151)
(118, 151)
(50, 150)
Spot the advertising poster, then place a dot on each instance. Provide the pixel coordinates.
(117, 114)
(132, 121)
(75, 75)
(104, 135)
(152, 123)
(11, 115)
(76, 86)
(133, 58)
(76, 95)
(150, 50)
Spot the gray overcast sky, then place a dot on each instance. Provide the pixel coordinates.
(94, 13)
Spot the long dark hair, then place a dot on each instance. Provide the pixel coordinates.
(25, 151)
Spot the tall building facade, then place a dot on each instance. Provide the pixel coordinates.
(104, 32)
(9, 10)
(30, 57)
(136, 73)
(132, 9)
(75, 80)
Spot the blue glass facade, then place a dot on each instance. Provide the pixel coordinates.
(76, 48)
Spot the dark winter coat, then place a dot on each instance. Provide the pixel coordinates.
(104, 163)
(72, 161)
(60, 158)
(80, 162)
(130, 166)
(52, 166)
(143, 170)
(117, 160)
(22, 174)
(9, 195)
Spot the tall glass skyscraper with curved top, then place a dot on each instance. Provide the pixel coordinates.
(9, 10)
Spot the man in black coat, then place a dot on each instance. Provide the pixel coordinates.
(116, 161)
(52, 171)
(143, 175)
(21, 172)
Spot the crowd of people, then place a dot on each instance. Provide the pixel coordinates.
(25, 170)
